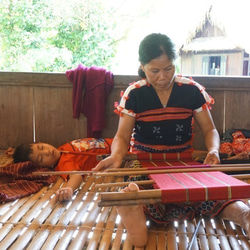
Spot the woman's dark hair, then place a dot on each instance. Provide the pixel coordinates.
(154, 45)
(22, 153)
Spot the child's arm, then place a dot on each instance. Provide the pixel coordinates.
(73, 183)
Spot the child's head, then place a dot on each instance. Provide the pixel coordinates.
(42, 154)
(22, 153)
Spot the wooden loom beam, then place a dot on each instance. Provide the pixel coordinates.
(133, 156)
(139, 171)
(230, 168)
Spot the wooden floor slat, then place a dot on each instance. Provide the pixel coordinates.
(40, 222)
(220, 230)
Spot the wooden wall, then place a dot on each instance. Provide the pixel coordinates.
(38, 107)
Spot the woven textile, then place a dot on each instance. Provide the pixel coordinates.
(17, 181)
(200, 186)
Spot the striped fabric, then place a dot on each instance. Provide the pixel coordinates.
(168, 113)
(17, 181)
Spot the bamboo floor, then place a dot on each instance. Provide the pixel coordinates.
(39, 222)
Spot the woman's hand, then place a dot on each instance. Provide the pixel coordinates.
(109, 162)
(64, 194)
(212, 158)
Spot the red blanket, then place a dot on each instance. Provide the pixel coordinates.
(17, 181)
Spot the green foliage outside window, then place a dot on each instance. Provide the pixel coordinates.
(53, 35)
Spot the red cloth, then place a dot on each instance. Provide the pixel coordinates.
(185, 163)
(17, 180)
(82, 154)
(96, 83)
(200, 186)
(239, 144)
(141, 155)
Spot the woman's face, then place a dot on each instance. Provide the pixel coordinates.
(44, 155)
(159, 72)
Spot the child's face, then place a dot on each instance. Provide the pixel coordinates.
(44, 155)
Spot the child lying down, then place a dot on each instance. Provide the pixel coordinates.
(77, 155)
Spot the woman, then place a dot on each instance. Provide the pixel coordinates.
(158, 112)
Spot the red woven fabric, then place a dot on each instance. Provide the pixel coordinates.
(164, 156)
(184, 163)
(17, 181)
(175, 165)
(199, 186)
(178, 160)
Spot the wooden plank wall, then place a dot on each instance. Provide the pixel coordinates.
(38, 107)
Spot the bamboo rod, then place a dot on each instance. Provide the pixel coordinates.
(141, 194)
(139, 171)
(241, 176)
(178, 167)
(133, 156)
(158, 168)
(120, 184)
(62, 173)
(182, 170)
(129, 202)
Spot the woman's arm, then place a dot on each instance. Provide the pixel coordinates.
(211, 136)
(120, 144)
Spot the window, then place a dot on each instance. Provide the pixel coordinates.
(246, 65)
(214, 65)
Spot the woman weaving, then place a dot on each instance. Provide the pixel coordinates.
(158, 112)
